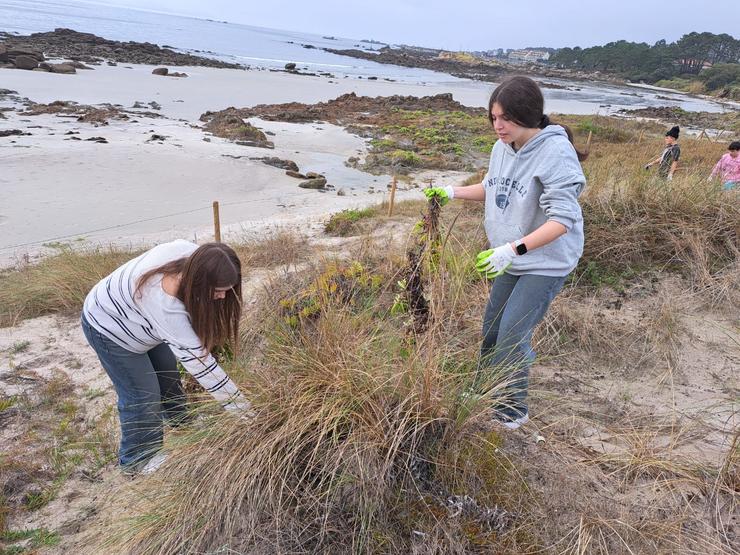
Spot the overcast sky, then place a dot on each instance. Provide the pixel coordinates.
(471, 24)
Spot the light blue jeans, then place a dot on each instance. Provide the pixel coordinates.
(149, 391)
(515, 306)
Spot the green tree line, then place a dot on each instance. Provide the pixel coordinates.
(684, 58)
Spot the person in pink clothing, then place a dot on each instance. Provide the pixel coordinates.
(728, 167)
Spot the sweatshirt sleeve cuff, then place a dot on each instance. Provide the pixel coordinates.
(566, 222)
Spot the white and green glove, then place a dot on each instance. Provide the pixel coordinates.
(443, 194)
(494, 262)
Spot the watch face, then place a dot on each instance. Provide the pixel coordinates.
(521, 248)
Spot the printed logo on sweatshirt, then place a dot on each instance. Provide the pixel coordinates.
(505, 186)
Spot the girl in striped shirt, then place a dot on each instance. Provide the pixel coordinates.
(176, 301)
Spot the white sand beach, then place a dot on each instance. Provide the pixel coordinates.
(134, 190)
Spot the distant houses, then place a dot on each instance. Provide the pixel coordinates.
(528, 56)
(521, 56)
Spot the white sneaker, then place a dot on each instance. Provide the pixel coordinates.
(154, 463)
(516, 423)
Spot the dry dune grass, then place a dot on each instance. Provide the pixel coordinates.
(365, 443)
(58, 283)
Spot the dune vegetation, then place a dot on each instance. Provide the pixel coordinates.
(357, 363)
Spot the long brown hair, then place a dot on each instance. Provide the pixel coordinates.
(212, 265)
(522, 102)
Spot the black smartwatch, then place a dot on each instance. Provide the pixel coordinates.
(521, 248)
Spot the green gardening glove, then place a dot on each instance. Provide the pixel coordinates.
(443, 194)
(492, 263)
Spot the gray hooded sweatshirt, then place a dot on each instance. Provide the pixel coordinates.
(526, 188)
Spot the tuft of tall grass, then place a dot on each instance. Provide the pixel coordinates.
(634, 220)
(58, 283)
(275, 248)
(357, 442)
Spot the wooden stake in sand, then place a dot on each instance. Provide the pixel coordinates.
(639, 139)
(216, 223)
(393, 197)
(588, 141)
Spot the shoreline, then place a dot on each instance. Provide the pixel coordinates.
(145, 189)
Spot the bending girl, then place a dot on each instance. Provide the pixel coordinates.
(175, 301)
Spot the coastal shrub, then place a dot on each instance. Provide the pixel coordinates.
(405, 158)
(720, 75)
(382, 145)
(346, 222)
(484, 143)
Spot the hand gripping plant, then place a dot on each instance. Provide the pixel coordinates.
(423, 255)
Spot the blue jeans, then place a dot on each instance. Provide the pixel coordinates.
(149, 391)
(515, 306)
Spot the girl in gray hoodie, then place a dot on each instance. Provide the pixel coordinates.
(534, 226)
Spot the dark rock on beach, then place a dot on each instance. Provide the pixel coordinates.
(229, 124)
(296, 174)
(58, 68)
(96, 115)
(279, 163)
(25, 62)
(92, 49)
(316, 183)
(408, 57)
(10, 132)
(160, 71)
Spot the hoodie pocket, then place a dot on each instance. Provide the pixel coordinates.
(499, 233)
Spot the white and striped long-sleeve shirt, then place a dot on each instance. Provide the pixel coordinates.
(139, 324)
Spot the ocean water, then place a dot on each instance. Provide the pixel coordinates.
(272, 48)
(232, 42)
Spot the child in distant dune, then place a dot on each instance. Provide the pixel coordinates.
(668, 160)
(728, 167)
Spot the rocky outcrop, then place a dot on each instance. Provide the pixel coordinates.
(89, 48)
(352, 108)
(228, 124)
(315, 183)
(415, 58)
(23, 61)
(11, 132)
(279, 163)
(160, 71)
(96, 115)
(57, 68)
